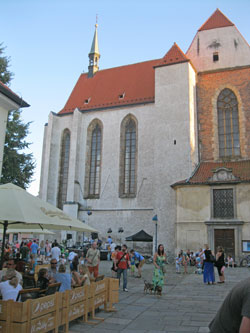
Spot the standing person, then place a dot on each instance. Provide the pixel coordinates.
(25, 252)
(42, 250)
(29, 244)
(220, 264)
(159, 262)
(234, 314)
(55, 252)
(208, 275)
(109, 240)
(113, 258)
(47, 250)
(122, 262)
(93, 259)
(34, 247)
(140, 261)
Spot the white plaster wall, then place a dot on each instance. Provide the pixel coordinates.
(160, 162)
(233, 49)
(6, 105)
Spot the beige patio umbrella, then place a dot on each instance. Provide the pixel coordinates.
(20, 209)
(30, 231)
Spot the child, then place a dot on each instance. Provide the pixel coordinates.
(198, 264)
(43, 279)
(83, 277)
(178, 261)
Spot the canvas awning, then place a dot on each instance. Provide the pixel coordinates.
(140, 236)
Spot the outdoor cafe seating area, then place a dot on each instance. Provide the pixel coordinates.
(47, 310)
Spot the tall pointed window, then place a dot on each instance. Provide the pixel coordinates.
(64, 169)
(128, 161)
(92, 184)
(95, 162)
(228, 124)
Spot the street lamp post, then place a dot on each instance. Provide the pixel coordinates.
(155, 219)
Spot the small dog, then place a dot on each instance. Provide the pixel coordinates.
(148, 287)
(158, 290)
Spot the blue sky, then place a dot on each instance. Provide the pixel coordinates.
(49, 41)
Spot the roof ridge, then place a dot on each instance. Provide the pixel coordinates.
(216, 20)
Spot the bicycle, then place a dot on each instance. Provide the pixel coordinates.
(245, 261)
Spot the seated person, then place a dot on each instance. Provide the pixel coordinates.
(43, 279)
(81, 278)
(230, 261)
(10, 288)
(64, 278)
(10, 264)
(52, 270)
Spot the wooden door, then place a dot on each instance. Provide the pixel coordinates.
(225, 238)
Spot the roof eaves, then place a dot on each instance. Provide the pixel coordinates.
(103, 108)
(12, 96)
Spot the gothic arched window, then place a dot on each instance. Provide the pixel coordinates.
(64, 169)
(128, 160)
(95, 162)
(228, 124)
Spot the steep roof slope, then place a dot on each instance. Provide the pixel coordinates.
(216, 20)
(131, 84)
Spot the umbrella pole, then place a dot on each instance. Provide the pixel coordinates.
(5, 226)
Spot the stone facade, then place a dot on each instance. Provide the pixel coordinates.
(176, 129)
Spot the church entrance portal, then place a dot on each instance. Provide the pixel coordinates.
(225, 238)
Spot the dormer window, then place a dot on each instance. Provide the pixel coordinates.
(215, 56)
(86, 101)
(122, 96)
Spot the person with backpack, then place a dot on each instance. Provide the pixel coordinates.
(122, 262)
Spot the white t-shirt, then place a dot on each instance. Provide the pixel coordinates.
(55, 253)
(8, 291)
(72, 255)
(112, 247)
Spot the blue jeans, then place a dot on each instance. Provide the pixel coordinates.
(124, 272)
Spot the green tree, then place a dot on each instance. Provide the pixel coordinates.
(5, 75)
(18, 166)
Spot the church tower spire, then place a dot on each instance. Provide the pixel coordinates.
(94, 55)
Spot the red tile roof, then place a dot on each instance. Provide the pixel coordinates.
(216, 20)
(173, 56)
(104, 90)
(203, 173)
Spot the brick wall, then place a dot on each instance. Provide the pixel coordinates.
(210, 84)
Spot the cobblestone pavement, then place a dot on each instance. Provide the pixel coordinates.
(186, 305)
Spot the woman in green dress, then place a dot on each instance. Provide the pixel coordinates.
(159, 269)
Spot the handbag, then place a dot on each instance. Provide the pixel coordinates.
(212, 258)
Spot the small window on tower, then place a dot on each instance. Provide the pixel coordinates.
(215, 56)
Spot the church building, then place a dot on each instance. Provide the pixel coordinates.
(167, 137)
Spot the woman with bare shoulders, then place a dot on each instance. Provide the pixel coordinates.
(159, 264)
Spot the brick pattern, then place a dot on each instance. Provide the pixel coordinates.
(209, 86)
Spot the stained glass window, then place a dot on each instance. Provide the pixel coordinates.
(129, 157)
(64, 169)
(95, 161)
(228, 124)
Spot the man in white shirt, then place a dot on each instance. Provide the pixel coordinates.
(112, 247)
(55, 252)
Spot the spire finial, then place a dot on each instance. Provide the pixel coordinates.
(94, 54)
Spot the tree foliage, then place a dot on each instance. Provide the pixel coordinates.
(5, 75)
(18, 166)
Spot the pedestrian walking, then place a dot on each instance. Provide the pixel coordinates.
(159, 267)
(34, 248)
(122, 262)
(220, 264)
